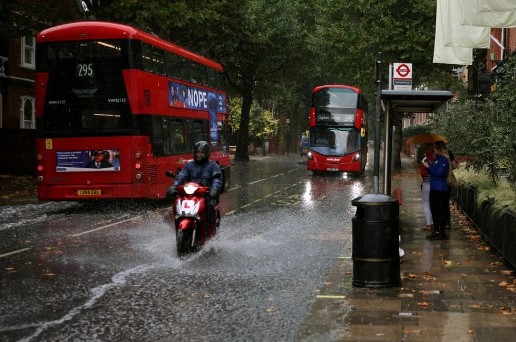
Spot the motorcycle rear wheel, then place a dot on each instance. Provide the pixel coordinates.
(184, 242)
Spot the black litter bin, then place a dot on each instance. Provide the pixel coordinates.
(375, 245)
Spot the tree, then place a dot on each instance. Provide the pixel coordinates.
(259, 43)
(27, 17)
(253, 39)
(261, 123)
(277, 51)
(352, 32)
(486, 130)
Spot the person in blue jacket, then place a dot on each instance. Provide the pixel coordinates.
(201, 170)
(439, 193)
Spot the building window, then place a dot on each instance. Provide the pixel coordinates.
(27, 112)
(28, 52)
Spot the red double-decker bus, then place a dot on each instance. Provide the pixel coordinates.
(338, 141)
(116, 107)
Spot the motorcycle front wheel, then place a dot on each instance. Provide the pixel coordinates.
(184, 242)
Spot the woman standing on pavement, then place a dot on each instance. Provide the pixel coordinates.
(439, 192)
(425, 186)
(441, 145)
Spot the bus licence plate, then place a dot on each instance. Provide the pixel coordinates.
(89, 192)
(332, 169)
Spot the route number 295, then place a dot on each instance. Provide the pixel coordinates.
(84, 70)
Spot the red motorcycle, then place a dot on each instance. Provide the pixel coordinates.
(190, 217)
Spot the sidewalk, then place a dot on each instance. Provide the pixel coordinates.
(453, 290)
(18, 190)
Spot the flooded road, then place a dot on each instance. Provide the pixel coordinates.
(109, 272)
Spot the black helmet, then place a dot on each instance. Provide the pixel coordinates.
(204, 148)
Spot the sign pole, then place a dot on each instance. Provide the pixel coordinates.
(390, 77)
(376, 167)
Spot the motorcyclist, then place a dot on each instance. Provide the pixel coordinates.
(201, 170)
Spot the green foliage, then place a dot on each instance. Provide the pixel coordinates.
(350, 33)
(502, 104)
(483, 129)
(261, 123)
(27, 17)
(470, 132)
(501, 192)
(277, 51)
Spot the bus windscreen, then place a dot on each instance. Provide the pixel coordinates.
(334, 141)
(86, 89)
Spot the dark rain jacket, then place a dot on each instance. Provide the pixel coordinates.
(438, 171)
(200, 173)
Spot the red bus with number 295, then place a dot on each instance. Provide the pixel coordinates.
(338, 141)
(117, 107)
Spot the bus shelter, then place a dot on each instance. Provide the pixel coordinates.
(405, 102)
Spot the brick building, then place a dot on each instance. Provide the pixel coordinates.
(18, 61)
(21, 21)
(17, 104)
(503, 42)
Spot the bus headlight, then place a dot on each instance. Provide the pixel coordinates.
(310, 156)
(356, 157)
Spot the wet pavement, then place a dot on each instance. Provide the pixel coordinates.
(453, 290)
(17, 189)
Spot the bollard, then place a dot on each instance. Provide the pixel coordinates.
(375, 241)
(397, 193)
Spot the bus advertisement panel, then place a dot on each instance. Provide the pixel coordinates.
(78, 161)
(338, 141)
(117, 107)
(184, 96)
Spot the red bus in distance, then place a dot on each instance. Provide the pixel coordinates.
(117, 107)
(337, 135)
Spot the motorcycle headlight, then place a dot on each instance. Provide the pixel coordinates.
(190, 189)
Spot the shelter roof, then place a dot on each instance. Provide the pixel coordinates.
(415, 101)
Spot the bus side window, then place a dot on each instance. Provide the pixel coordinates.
(173, 65)
(201, 74)
(157, 141)
(196, 74)
(222, 136)
(197, 131)
(158, 61)
(185, 70)
(177, 136)
(147, 57)
(165, 135)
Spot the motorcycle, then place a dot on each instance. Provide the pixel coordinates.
(189, 216)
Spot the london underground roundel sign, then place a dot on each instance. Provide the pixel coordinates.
(403, 70)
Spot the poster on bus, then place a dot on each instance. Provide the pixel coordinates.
(183, 96)
(88, 160)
